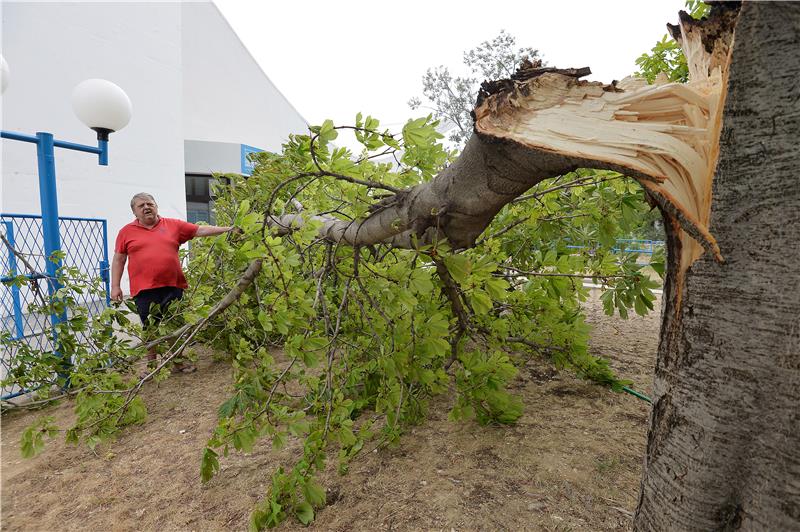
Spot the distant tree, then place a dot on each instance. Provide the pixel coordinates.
(452, 98)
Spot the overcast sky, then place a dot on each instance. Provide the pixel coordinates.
(332, 59)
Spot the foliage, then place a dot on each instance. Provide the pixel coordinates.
(451, 98)
(91, 357)
(344, 347)
(666, 57)
(368, 336)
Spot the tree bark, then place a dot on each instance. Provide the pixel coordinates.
(457, 204)
(723, 450)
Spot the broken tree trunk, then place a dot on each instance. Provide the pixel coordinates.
(723, 449)
(546, 122)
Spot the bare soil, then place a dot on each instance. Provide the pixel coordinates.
(572, 462)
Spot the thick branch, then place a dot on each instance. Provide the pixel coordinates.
(545, 122)
(458, 204)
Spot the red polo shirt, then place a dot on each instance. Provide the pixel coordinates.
(153, 253)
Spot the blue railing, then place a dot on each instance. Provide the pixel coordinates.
(632, 245)
(84, 242)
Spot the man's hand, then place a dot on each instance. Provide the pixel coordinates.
(234, 235)
(116, 294)
(117, 265)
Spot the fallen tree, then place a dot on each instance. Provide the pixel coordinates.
(383, 287)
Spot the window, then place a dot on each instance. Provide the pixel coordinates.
(199, 203)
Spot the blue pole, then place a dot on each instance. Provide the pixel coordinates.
(103, 155)
(48, 197)
(105, 265)
(19, 325)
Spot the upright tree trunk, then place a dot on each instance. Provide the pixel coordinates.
(723, 449)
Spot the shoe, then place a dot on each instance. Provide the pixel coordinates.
(151, 364)
(183, 367)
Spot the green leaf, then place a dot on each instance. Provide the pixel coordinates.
(326, 132)
(314, 493)
(659, 268)
(304, 512)
(315, 343)
(346, 436)
(72, 436)
(299, 428)
(258, 520)
(459, 267)
(310, 358)
(136, 412)
(244, 208)
(437, 324)
(282, 323)
(227, 408)
(607, 299)
(420, 282)
(406, 300)
(481, 302)
(497, 288)
(279, 440)
(27, 446)
(414, 132)
(263, 319)
(244, 439)
(209, 465)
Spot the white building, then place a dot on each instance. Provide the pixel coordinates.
(199, 102)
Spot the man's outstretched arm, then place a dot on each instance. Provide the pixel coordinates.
(212, 230)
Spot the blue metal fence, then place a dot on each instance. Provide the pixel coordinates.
(85, 244)
(632, 245)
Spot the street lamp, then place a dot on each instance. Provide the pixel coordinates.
(102, 106)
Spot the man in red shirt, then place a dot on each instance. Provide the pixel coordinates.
(151, 242)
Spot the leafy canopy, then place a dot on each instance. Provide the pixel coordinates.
(345, 347)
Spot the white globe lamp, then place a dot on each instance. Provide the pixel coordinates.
(102, 106)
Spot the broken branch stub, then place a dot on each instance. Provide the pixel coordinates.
(666, 136)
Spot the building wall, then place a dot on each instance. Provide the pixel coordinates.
(226, 95)
(50, 48)
(186, 73)
(205, 157)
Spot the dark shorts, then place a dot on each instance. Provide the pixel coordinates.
(151, 303)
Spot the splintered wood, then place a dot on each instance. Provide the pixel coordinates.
(665, 134)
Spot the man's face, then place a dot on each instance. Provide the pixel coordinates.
(145, 210)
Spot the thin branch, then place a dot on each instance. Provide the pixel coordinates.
(322, 171)
(452, 293)
(503, 231)
(580, 182)
(29, 266)
(518, 273)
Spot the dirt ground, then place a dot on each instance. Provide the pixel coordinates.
(572, 462)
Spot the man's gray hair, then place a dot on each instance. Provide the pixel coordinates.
(141, 195)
